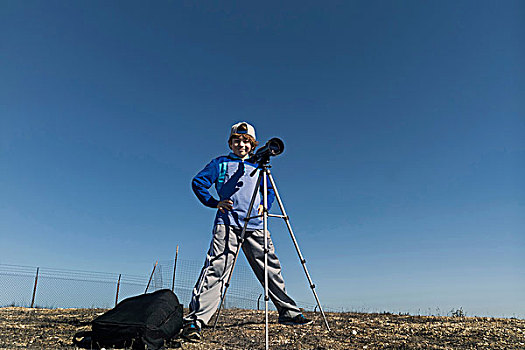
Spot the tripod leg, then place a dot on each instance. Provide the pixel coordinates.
(239, 245)
(265, 230)
(303, 261)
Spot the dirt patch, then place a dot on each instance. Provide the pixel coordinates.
(244, 329)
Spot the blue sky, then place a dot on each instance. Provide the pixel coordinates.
(404, 127)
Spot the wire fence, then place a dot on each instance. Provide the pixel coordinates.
(31, 286)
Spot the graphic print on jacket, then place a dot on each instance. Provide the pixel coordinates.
(232, 180)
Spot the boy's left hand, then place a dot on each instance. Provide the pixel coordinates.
(260, 209)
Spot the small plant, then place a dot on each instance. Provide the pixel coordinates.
(13, 304)
(457, 313)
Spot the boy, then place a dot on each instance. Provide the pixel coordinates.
(231, 176)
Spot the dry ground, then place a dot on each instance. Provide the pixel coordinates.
(244, 329)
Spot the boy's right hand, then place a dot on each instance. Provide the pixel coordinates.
(225, 205)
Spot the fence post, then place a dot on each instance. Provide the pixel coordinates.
(175, 268)
(34, 288)
(150, 277)
(118, 287)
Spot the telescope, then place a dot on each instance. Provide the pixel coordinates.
(272, 148)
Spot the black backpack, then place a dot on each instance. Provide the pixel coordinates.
(142, 322)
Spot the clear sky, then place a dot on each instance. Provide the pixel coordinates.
(404, 125)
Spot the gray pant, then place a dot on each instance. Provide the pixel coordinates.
(211, 283)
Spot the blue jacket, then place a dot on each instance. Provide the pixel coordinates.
(232, 179)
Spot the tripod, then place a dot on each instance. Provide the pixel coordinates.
(264, 176)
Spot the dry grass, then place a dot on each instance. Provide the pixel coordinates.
(244, 329)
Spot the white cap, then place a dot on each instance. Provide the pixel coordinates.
(243, 128)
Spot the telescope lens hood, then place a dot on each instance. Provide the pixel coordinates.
(275, 146)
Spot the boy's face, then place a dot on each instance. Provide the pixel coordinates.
(240, 146)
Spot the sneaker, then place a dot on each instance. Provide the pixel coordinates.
(298, 320)
(191, 332)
